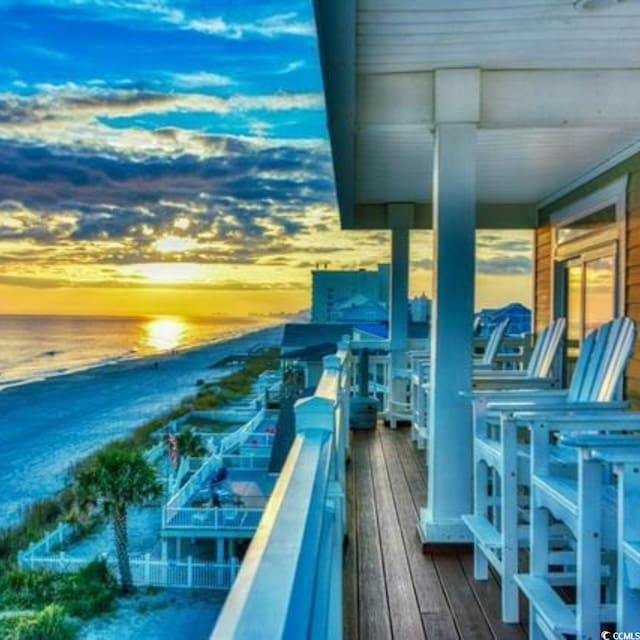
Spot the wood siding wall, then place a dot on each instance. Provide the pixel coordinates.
(542, 290)
(633, 281)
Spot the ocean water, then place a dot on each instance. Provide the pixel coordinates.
(39, 347)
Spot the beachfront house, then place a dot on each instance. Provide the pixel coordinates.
(457, 115)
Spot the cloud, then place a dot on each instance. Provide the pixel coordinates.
(285, 24)
(291, 67)
(70, 101)
(163, 13)
(504, 265)
(242, 202)
(199, 79)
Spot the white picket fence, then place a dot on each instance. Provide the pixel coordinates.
(146, 571)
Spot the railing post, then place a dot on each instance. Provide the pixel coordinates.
(147, 569)
(189, 571)
(335, 508)
(233, 570)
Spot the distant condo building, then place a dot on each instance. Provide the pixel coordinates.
(339, 296)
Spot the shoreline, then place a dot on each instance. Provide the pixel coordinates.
(46, 434)
(133, 358)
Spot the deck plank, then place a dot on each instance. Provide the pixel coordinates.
(373, 606)
(488, 595)
(469, 618)
(403, 606)
(415, 474)
(437, 619)
(350, 600)
(392, 589)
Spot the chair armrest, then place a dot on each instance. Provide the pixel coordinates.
(601, 416)
(510, 395)
(481, 366)
(506, 384)
(501, 373)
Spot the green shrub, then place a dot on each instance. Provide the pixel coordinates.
(87, 593)
(51, 623)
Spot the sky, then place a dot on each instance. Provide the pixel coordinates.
(163, 157)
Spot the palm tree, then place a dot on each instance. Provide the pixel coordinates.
(117, 479)
(190, 444)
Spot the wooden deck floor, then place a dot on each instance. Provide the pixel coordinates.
(392, 589)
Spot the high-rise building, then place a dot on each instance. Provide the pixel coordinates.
(331, 290)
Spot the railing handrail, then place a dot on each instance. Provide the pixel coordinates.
(291, 576)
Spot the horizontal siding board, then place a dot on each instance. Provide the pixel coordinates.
(633, 276)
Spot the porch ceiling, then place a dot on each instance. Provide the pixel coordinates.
(559, 93)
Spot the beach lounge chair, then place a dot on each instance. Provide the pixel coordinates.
(590, 506)
(501, 457)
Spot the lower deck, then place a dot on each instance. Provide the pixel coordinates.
(391, 588)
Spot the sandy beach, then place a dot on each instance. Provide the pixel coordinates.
(170, 614)
(48, 426)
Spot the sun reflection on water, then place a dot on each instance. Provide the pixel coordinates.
(164, 334)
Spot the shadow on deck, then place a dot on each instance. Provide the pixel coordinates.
(392, 589)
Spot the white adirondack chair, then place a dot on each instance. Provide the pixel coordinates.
(590, 507)
(419, 379)
(539, 370)
(537, 374)
(501, 462)
(488, 359)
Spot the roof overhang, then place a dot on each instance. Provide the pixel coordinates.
(559, 93)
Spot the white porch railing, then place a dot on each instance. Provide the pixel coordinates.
(290, 583)
(238, 437)
(246, 462)
(216, 518)
(155, 453)
(50, 542)
(191, 488)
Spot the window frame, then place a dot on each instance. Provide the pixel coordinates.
(593, 243)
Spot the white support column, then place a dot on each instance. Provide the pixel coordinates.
(400, 218)
(454, 205)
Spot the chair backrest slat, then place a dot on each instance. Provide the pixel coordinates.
(603, 359)
(494, 342)
(541, 343)
(596, 362)
(577, 379)
(615, 360)
(542, 359)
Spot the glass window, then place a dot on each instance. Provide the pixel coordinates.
(595, 222)
(574, 310)
(599, 293)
